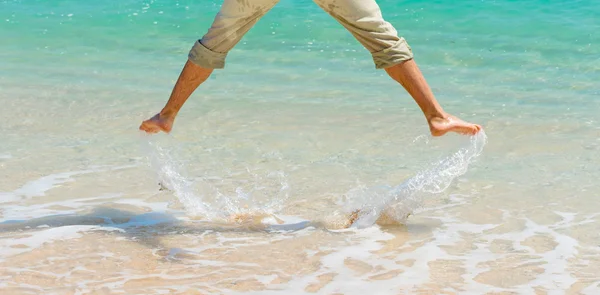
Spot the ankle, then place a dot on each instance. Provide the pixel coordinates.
(167, 113)
(439, 115)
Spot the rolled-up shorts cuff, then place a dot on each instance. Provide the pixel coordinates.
(396, 54)
(206, 58)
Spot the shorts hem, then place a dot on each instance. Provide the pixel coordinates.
(206, 58)
(396, 54)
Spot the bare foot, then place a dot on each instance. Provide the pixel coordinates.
(158, 123)
(441, 125)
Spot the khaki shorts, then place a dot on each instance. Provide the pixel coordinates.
(362, 18)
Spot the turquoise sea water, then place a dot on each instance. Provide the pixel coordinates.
(301, 116)
(505, 50)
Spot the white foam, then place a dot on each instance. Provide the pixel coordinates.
(265, 279)
(556, 263)
(557, 275)
(592, 289)
(8, 198)
(40, 186)
(37, 239)
(361, 245)
(15, 212)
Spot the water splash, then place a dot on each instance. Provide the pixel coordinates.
(262, 194)
(398, 202)
(169, 176)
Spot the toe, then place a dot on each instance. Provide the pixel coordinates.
(148, 128)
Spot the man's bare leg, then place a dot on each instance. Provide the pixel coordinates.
(411, 78)
(190, 78)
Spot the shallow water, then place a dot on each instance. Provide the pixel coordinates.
(297, 132)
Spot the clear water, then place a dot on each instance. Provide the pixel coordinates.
(297, 131)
